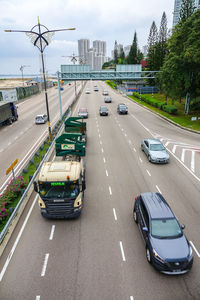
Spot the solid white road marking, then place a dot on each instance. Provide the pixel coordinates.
(131, 298)
(106, 173)
(37, 298)
(148, 172)
(45, 264)
(115, 215)
(110, 191)
(158, 189)
(17, 239)
(166, 144)
(183, 155)
(54, 158)
(174, 149)
(52, 232)
(122, 251)
(191, 243)
(140, 159)
(192, 161)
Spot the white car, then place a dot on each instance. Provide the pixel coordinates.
(87, 91)
(41, 119)
(105, 93)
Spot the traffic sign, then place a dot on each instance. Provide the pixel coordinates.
(11, 166)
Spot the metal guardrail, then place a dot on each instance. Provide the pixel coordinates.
(14, 213)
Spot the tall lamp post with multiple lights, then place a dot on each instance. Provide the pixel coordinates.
(41, 40)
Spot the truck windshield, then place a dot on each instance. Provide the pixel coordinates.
(52, 190)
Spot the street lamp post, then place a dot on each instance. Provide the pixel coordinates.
(41, 40)
(22, 70)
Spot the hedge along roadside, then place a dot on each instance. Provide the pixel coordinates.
(14, 218)
(172, 109)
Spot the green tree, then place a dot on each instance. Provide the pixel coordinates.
(115, 53)
(132, 57)
(152, 48)
(181, 70)
(162, 42)
(187, 9)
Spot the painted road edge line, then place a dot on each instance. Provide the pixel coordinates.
(45, 264)
(17, 240)
(122, 251)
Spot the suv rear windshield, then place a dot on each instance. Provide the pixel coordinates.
(165, 228)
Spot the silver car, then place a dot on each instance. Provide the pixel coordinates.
(155, 151)
(107, 99)
(41, 119)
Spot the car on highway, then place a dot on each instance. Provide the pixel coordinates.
(167, 248)
(83, 113)
(103, 111)
(107, 99)
(105, 93)
(96, 88)
(87, 91)
(155, 151)
(41, 119)
(122, 108)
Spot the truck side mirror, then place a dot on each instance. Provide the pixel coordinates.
(35, 186)
(83, 185)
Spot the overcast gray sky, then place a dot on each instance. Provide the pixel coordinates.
(106, 20)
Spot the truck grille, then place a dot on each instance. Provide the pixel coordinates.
(60, 208)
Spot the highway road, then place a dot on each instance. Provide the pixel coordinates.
(101, 255)
(20, 139)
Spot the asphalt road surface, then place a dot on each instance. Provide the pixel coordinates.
(101, 255)
(19, 140)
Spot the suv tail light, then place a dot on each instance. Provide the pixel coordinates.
(136, 198)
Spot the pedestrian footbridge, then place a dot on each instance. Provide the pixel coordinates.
(121, 72)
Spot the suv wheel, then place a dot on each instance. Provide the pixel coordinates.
(149, 158)
(148, 255)
(135, 216)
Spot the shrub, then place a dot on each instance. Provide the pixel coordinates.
(10, 194)
(170, 109)
(156, 103)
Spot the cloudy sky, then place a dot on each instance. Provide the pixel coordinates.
(106, 20)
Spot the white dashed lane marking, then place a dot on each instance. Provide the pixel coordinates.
(122, 251)
(45, 264)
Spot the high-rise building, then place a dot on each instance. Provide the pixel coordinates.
(177, 8)
(95, 56)
(99, 47)
(127, 50)
(83, 47)
(117, 47)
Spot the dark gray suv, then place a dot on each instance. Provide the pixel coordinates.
(167, 248)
